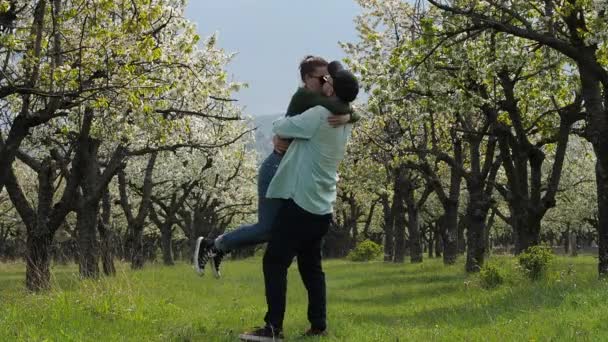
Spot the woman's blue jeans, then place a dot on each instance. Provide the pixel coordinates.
(253, 234)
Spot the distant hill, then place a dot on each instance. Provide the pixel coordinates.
(263, 134)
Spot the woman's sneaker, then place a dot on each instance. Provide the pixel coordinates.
(263, 334)
(216, 259)
(201, 255)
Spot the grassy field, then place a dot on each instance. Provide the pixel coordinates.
(367, 302)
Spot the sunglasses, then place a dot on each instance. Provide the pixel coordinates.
(323, 79)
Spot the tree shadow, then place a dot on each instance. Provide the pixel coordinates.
(503, 306)
(392, 298)
(405, 278)
(63, 278)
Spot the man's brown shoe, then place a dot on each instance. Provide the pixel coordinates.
(315, 332)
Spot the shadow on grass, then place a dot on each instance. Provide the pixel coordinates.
(501, 306)
(63, 278)
(394, 298)
(402, 279)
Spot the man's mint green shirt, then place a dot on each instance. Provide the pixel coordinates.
(308, 172)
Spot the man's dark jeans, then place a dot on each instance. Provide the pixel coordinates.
(296, 232)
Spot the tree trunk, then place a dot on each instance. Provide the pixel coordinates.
(475, 244)
(476, 224)
(368, 220)
(449, 223)
(413, 218)
(602, 197)
(487, 239)
(186, 224)
(461, 242)
(106, 236)
(431, 242)
(451, 237)
(198, 223)
(136, 247)
(573, 244)
(566, 240)
(389, 221)
(439, 246)
(166, 235)
(135, 223)
(39, 232)
(86, 225)
(399, 237)
(88, 209)
(107, 255)
(171, 212)
(351, 217)
(40, 239)
(2, 248)
(414, 234)
(596, 104)
(399, 212)
(354, 234)
(176, 249)
(38, 261)
(528, 231)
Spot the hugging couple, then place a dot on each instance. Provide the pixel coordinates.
(296, 193)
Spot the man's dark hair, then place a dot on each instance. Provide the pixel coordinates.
(334, 67)
(309, 64)
(346, 85)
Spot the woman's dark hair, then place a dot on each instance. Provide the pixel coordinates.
(309, 64)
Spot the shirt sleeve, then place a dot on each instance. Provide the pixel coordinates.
(302, 126)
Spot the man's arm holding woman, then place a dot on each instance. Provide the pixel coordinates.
(302, 126)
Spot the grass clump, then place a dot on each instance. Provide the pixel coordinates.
(491, 276)
(535, 261)
(365, 251)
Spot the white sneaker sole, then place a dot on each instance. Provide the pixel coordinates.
(250, 338)
(216, 272)
(199, 270)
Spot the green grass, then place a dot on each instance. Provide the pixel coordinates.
(367, 302)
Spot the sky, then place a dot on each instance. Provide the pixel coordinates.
(270, 38)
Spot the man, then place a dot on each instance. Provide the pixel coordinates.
(310, 94)
(306, 183)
